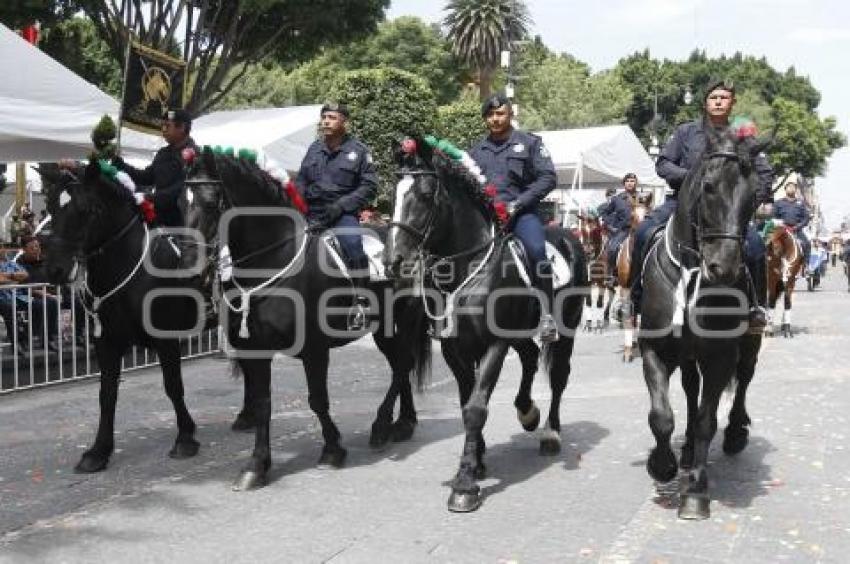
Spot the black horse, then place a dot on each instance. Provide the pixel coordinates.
(446, 242)
(95, 221)
(694, 314)
(284, 296)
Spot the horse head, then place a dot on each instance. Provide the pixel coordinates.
(88, 209)
(438, 207)
(717, 202)
(205, 195)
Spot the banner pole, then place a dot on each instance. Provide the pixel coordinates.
(123, 91)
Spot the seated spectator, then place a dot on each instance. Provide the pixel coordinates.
(12, 273)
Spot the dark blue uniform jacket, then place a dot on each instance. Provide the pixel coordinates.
(520, 168)
(791, 212)
(346, 176)
(616, 213)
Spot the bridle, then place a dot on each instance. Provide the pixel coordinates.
(422, 235)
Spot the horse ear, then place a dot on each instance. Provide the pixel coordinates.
(208, 158)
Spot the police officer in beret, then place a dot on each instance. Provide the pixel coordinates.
(338, 179)
(682, 152)
(518, 164)
(167, 173)
(795, 215)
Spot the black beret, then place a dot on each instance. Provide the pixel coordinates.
(341, 109)
(494, 101)
(629, 175)
(718, 84)
(178, 116)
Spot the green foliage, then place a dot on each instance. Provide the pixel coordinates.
(386, 105)
(15, 14)
(103, 137)
(460, 122)
(803, 141)
(74, 43)
(561, 93)
(266, 85)
(480, 29)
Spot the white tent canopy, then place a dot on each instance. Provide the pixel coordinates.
(597, 155)
(282, 134)
(47, 112)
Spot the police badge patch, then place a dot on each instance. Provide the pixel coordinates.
(369, 158)
(544, 152)
(519, 148)
(352, 156)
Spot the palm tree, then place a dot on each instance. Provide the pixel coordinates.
(479, 30)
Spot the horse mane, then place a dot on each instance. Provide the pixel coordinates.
(457, 176)
(244, 173)
(113, 189)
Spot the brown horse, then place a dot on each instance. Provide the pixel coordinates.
(642, 206)
(594, 241)
(784, 262)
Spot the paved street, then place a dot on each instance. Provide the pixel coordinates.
(783, 499)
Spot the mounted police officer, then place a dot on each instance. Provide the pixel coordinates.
(795, 215)
(338, 179)
(520, 167)
(682, 152)
(616, 216)
(167, 173)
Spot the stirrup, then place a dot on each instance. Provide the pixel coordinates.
(357, 318)
(548, 330)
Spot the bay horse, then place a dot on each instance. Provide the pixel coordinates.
(594, 239)
(443, 224)
(642, 206)
(694, 314)
(784, 263)
(96, 224)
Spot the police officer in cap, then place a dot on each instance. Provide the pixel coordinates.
(167, 173)
(338, 179)
(682, 152)
(795, 215)
(616, 216)
(518, 164)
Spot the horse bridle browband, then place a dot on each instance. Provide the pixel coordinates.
(697, 224)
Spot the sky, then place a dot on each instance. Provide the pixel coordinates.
(813, 36)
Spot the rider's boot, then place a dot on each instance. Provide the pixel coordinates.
(548, 329)
(358, 318)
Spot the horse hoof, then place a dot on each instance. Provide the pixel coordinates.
(550, 443)
(694, 507)
(735, 440)
(402, 430)
(91, 463)
(686, 461)
(243, 423)
(464, 502)
(249, 480)
(661, 465)
(333, 457)
(380, 435)
(530, 420)
(184, 448)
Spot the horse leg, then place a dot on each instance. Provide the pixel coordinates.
(466, 494)
(96, 458)
(691, 385)
(694, 500)
(383, 428)
(736, 435)
(629, 328)
(600, 306)
(245, 418)
(316, 369)
(786, 312)
(257, 373)
(588, 308)
(661, 463)
(558, 355)
(185, 446)
(526, 410)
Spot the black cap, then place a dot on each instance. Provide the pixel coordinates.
(718, 84)
(494, 101)
(629, 175)
(341, 109)
(178, 116)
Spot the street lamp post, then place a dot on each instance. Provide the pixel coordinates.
(687, 98)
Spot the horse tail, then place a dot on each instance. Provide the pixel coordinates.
(419, 341)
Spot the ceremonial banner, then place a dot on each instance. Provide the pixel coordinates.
(154, 82)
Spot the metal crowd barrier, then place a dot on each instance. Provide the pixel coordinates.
(34, 353)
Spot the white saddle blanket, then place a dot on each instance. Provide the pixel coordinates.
(561, 272)
(372, 246)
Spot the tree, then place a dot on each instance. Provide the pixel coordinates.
(386, 105)
(803, 141)
(460, 122)
(479, 30)
(561, 93)
(75, 43)
(223, 38)
(265, 85)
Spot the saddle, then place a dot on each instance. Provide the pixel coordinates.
(372, 246)
(561, 273)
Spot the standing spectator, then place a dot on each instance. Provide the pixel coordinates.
(12, 273)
